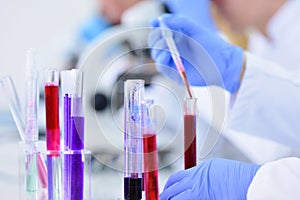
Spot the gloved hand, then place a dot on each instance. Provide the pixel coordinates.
(200, 12)
(207, 58)
(93, 28)
(214, 179)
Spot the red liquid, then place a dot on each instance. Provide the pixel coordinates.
(150, 167)
(52, 117)
(189, 141)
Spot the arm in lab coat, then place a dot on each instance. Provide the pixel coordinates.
(276, 180)
(267, 104)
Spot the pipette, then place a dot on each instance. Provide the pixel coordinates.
(31, 100)
(14, 104)
(168, 36)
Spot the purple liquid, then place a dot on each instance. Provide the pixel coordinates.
(50, 178)
(76, 163)
(67, 125)
(67, 120)
(132, 188)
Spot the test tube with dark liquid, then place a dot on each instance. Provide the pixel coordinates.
(133, 140)
(190, 127)
(53, 134)
(150, 152)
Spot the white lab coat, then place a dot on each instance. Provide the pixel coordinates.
(268, 107)
(269, 96)
(276, 180)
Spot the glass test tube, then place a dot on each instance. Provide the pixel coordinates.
(77, 137)
(66, 85)
(53, 134)
(190, 127)
(133, 161)
(15, 108)
(14, 104)
(31, 119)
(150, 152)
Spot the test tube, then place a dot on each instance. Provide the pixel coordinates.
(66, 85)
(133, 142)
(53, 134)
(190, 127)
(150, 151)
(11, 94)
(77, 137)
(14, 104)
(31, 119)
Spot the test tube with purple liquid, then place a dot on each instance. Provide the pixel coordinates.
(76, 138)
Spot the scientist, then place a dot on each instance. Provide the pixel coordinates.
(272, 34)
(250, 77)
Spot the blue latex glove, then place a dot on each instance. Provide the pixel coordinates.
(93, 28)
(207, 58)
(197, 10)
(212, 180)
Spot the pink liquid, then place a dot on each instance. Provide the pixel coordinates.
(189, 141)
(150, 167)
(52, 117)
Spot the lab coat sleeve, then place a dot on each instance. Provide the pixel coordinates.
(276, 180)
(268, 103)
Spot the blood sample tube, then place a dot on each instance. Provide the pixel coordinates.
(190, 127)
(150, 152)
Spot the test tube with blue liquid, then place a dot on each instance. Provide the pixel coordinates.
(133, 139)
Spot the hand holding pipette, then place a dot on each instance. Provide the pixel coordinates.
(168, 36)
(207, 58)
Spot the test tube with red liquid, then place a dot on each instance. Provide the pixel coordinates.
(133, 139)
(150, 152)
(190, 132)
(53, 134)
